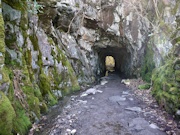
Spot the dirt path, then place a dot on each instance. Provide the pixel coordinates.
(112, 110)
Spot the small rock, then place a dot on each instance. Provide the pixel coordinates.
(68, 131)
(70, 121)
(117, 98)
(73, 132)
(68, 107)
(1, 77)
(131, 99)
(103, 82)
(126, 81)
(125, 93)
(154, 126)
(138, 124)
(84, 95)
(83, 102)
(134, 109)
(99, 91)
(178, 112)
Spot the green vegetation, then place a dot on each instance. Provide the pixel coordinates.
(44, 84)
(17, 4)
(32, 6)
(144, 86)
(177, 75)
(7, 114)
(45, 87)
(2, 44)
(148, 64)
(165, 87)
(22, 122)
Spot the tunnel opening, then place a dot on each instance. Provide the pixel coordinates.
(110, 64)
(121, 57)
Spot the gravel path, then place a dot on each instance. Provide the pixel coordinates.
(109, 108)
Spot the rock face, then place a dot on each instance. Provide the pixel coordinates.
(48, 53)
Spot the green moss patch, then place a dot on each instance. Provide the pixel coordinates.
(177, 75)
(22, 122)
(67, 78)
(44, 84)
(17, 4)
(165, 88)
(7, 115)
(2, 36)
(45, 87)
(144, 86)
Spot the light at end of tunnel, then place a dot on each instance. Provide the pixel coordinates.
(110, 64)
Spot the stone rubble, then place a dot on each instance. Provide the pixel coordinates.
(90, 91)
(135, 109)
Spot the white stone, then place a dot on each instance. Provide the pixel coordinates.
(1, 77)
(116, 18)
(103, 82)
(126, 81)
(99, 91)
(131, 99)
(68, 131)
(154, 126)
(178, 112)
(117, 98)
(83, 102)
(125, 93)
(114, 28)
(91, 91)
(134, 109)
(1, 54)
(84, 95)
(73, 132)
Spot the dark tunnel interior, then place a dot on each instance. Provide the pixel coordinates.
(121, 56)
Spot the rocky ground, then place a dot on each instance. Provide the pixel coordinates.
(109, 108)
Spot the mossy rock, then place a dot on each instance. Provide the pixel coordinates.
(5, 76)
(21, 123)
(51, 99)
(174, 91)
(148, 64)
(38, 93)
(2, 36)
(7, 115)
(20, 5)
(44, 84)
(165, 88)
(171, 102)
(66, 77)
(45, 87)
(43, 108)
(144, 86)
(33, 103)
(177, 75)
(34, 41)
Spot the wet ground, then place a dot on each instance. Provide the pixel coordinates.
(109, 108)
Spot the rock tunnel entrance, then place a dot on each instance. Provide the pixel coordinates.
(120, 56)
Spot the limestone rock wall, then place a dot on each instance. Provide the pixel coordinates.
(35, 71)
